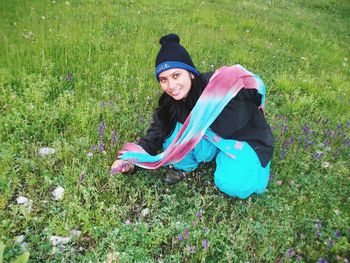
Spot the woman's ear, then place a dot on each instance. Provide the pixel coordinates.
(192, 76)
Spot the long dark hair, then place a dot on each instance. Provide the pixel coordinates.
(168, 109)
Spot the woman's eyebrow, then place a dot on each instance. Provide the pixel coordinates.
(176, 72)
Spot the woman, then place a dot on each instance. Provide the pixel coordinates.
(202, 117)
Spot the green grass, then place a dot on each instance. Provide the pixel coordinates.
(301, 50)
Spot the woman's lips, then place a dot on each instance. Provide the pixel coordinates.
(175, 93)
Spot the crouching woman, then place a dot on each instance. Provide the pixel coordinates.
(205, 117)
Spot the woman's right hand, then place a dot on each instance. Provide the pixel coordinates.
(122, 166)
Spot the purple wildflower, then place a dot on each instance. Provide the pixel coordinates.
(284, 129)
(111, 103)
(321, 260)
(290, 253)
(128, 222)
(101, 147)
(330, 242)
(191, 249)
(326, 142)
(180, 237)
(318, 155)
(198, 215)
(82, 177)
(318, 234)
(205, 229)
(306, 129)
(101, 129)
(336, 234)
(205, 244)
(103, 104)
(187, 233)
(308, 143)
(69, 76)
(115, 137)
(283, 154)
(318, 224)
(93, 148)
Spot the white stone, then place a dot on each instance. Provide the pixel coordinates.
(58, 240)
(145, 212)
(21, 200)
(19, 239)
(46, 151)
(25, 246)
(58, 193)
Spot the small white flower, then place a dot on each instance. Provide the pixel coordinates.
(325, 164)
(58, 193)
(113, 257)
(58, 240)
(75, 233)
(90, 154)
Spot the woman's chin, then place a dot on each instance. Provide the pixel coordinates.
(178, 96)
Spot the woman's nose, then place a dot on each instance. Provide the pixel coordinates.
(172, 84)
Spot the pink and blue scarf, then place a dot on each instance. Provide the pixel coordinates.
(224, 85)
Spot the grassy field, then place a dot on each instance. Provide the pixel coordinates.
(78, 77)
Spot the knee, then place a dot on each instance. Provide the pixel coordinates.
(233, 188)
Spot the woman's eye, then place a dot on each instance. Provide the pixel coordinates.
(175, 76)
(162, 80)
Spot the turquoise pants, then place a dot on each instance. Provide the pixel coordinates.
(238, 170)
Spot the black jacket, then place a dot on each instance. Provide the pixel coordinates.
(241, 120)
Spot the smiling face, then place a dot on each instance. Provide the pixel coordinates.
(176, 82)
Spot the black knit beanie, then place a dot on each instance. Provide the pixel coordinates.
(173, 55)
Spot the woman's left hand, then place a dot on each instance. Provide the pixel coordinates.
(122, 166)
